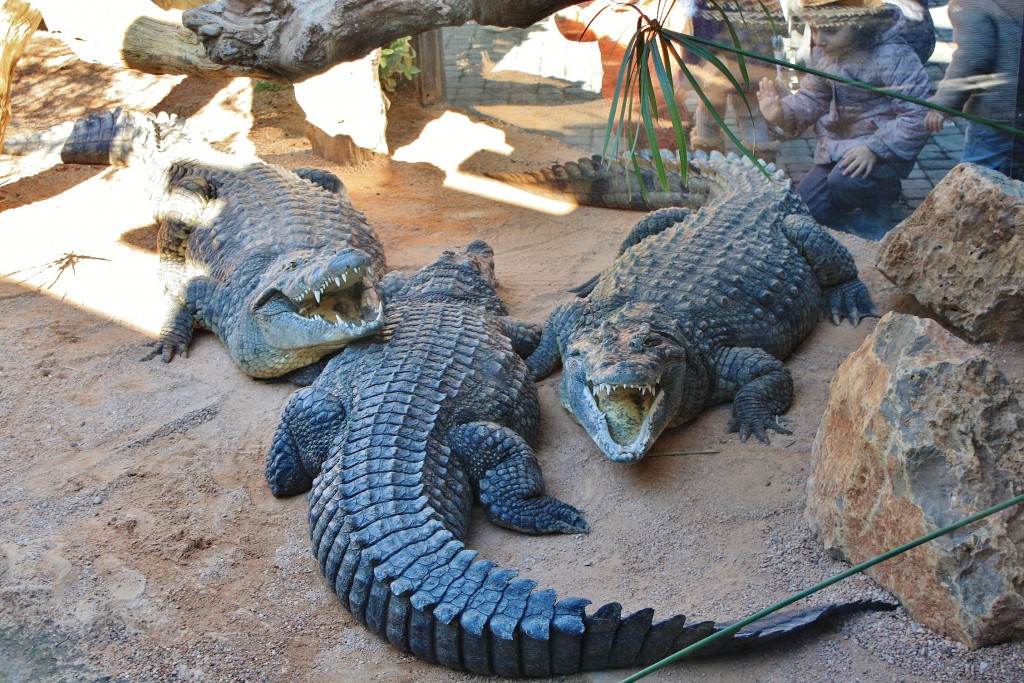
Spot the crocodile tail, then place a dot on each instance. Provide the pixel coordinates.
(108, 138)
(611, 184)
(409, 579)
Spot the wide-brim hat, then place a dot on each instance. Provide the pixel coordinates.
(838, 13)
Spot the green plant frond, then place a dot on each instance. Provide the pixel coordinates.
(635, 160)
(776, 30)
(721, 122)
(663, 70)
(740, 61)
(687, 39)
(699, 50)
(622, 84)
(649, 99)
(591, 22)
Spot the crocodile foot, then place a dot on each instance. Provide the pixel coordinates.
(757, 420)
(850, 300)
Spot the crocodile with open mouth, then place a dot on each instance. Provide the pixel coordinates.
(700, 307)
(276, 262)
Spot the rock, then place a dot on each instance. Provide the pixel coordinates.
(959, 254)
(922, 430)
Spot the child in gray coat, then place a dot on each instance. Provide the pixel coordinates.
(867, 141)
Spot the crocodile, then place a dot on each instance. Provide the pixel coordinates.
(700, 307)
(276, 262)
(400, 435)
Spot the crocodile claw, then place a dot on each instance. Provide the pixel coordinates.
(850, 300)
(166, 349)
(757, 425)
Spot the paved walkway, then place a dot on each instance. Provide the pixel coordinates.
(502, 73)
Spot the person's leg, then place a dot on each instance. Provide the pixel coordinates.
(864, 204)
(987, 147)
(813, 189)
(880, 188)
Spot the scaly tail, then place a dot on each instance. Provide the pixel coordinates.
(391, 561)
(613, 184)
(109, 138)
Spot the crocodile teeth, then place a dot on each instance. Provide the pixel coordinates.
(607, 389)
(316, 295)
(337, 281)
(344, 277)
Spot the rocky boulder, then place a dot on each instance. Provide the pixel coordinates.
(922, 430)
(960, 254)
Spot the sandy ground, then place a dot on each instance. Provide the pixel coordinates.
(138, 540)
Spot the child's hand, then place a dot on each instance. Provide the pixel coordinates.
(770, 101)
(858, 162)
(934, 121)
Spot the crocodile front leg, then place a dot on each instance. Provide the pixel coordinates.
(180, 211)
(182, 316)
(548, 354)
(505, 471)
(652, 224)
(311, 420)
(760, 386)
(525, 336)
(843, 295)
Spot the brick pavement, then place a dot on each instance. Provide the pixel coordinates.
(493, 72)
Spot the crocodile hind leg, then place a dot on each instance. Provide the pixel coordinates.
(844, 295)
(525, 336)
(652, 224)
(509, 481)
(761, 388)
(308, 426)
(179, 213)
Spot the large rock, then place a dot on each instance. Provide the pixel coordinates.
(961, 256)
(922, 430)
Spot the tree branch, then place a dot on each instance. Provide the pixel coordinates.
(294, 39)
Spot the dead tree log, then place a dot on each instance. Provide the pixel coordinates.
(294, 39)
(18, 21)
(134, 34)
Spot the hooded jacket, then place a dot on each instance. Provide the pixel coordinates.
(845, 116)
(982, 77)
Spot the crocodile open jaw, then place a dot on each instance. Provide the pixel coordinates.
(628, 411)
(343, 301)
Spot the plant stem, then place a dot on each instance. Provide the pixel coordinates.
(824, 584)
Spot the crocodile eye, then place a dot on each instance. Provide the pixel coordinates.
(292, 265)
(651, 342)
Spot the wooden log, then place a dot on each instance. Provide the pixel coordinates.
(298, 38)
(136, 35)
(430, 82)
(179, 4)
(18, 21)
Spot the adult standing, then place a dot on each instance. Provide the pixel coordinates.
(983, 80)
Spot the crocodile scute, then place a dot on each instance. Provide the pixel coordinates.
(276, 262)
(400, 435)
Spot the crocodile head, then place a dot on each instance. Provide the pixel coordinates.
(308, 308)
(466, 276)
(624, 377)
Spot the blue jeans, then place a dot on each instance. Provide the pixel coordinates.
(832, 196)
(988, 147)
